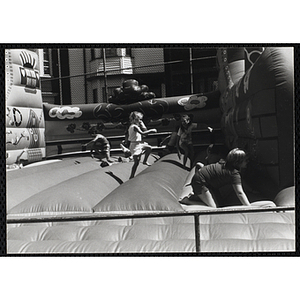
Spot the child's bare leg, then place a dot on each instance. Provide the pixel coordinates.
(108, 158)
(207, 198)
(188, 201)
(185, 158)
(191, 155)
(136, 159)
(146, 153)
(186, 151)
(107, 154)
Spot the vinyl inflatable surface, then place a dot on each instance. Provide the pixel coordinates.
(240, 232)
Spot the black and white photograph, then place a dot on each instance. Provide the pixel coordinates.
(148, 149)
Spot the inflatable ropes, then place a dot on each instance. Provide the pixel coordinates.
(25, 125)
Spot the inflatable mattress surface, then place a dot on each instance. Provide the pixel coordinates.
(156, 189)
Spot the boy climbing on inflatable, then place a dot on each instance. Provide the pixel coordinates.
(137, 147)
(101, 147)
(210, 178)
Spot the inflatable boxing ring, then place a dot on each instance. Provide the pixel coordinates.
(78, 207)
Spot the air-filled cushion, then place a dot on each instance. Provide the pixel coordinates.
(155, 189)
(76, 194)
(285, 197)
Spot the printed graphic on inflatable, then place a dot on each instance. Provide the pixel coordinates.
(20, 138)
(75, 121)
(204, 107)
(65, 112)
(25, 125)
(156, 108)
(24, 117)
(193, 102)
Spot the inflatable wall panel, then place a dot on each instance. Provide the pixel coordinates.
(27, 155)
(25, 125)
(108, 112)
(60, 120)
(19, 96)
(258, 116)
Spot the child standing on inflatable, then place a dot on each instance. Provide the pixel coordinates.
(184, 139)
(100, 146)
(208, 179)
(137, 147)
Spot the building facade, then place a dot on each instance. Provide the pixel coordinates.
(89, 75)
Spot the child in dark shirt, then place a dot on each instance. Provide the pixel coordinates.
(184, 139)
(210, 178)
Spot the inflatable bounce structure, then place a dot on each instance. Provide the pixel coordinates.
(69, 204)
(25, 125)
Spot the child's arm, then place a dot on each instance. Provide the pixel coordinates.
(93, 140)
(241, 194)
(142, 126)
(138, 129)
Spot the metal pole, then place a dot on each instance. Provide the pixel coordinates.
(197, 233)
(60, 81)
(105, 77)
(85, 77)
(191, 71)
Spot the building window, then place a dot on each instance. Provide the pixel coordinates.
(95, 95)
(46, 62)
(110, 52)
(128, 52)
(93, 55)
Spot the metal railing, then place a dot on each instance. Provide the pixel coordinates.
(158, 136)
(60, 143)
(131, 215)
